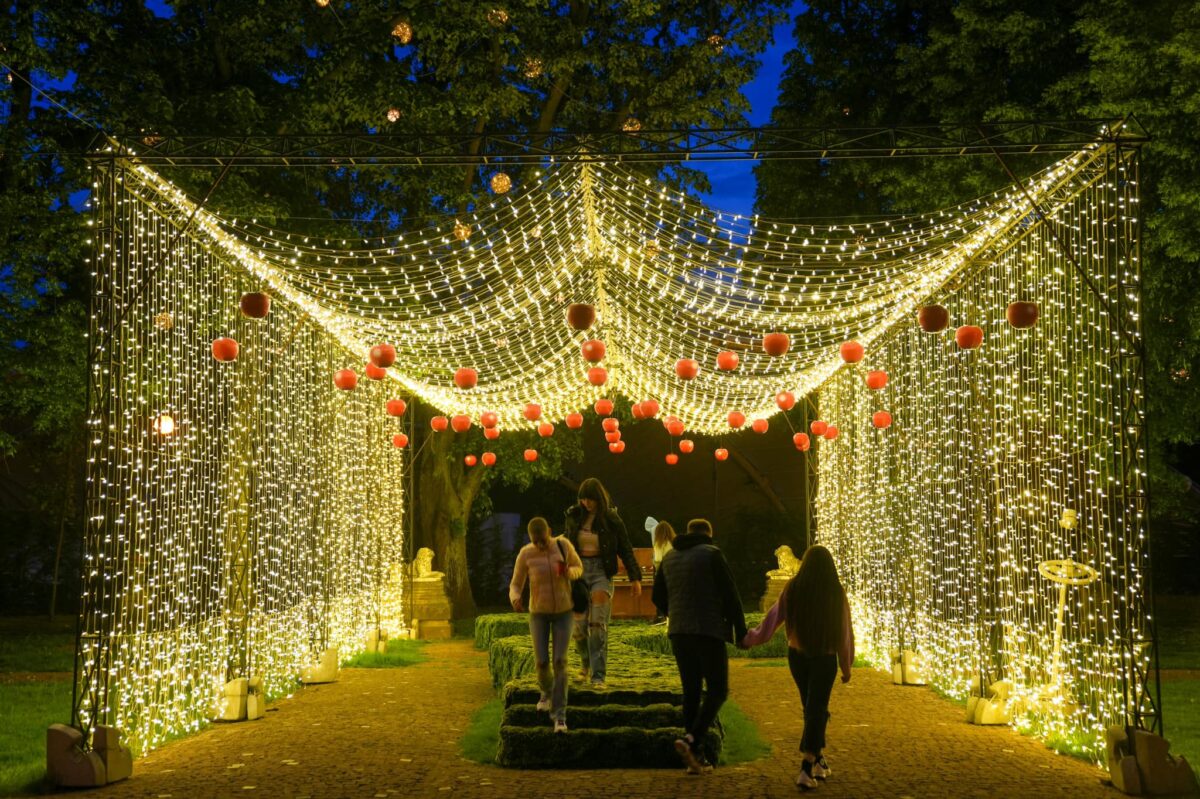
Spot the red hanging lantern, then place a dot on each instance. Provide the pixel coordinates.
(686, 445)
(650, 408)
(532, 411)
(382, 355)
(667, 421)
(675, 427)
(597, 375)
(225, 350)
(687, 368)
(672, 459)
(580, 316)
(786, 400)
(593, 350)
(881, 419)
(373, 372)
(1022, 315)
(760, 426)
(469, 460)
(545, 429)
(818, 428)
(466, 378)
(933, 318)
(612, 436)
(610, 425)
(603, 407)
(736, 419)
(852, 351)
(801, 441)
(574, 420)
(727, 360)
(968, 337)
(255, 305)
(616, 447)
(461, 423)
(876, 380)
(488, 458)
(400, 441)
(439, 424)
(776, 344)
(491, 433)
(396, 407)
(345, 379)
(530, 455)
(831, 432)
(721, 454)
(636, 411)
(489, 419)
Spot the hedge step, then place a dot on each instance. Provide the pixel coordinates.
(599, 717)
(527, 693)
(620, 747)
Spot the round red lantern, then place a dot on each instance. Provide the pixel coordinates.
(675, 427)
(597, 375)
(396, 407)
(801, 441)
(616, 447)
(532, 411)
(649, 408)
(881, 419)
(1022, 315)
(968, 337)
(382, 355)
(461, 423)
(636, 410)
(530, 455)
(831, 432)
(466, 378)
(776, 344)
(818, 428)
(345, 379)
(574, 420)
(610, 425)
(226, 350)
(489, 419)
(593, 350)
(686, 445)
(491, 433)
(760, 426)
(469, 460)
(852, 351)
(721, 454)
(545, 429)
(255, 305)
(687, 368)
(876, 380)
(580, 316)
(439, 424)
(603, 407)
(933, 318)
(612, 436)
(736, 419)
(786, 400)
(727, 360)
(672, 459)
(373, 372)
(400, 441)
(488, 458)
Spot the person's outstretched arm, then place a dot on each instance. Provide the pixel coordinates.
(574, 564)
(775, 618)
(731, 603)
(517, 586)
(846, 650)
(625, 550)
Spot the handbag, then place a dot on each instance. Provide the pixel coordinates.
(579, 593)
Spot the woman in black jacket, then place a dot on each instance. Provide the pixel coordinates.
(599, 536)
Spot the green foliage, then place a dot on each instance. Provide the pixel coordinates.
(492, 627)
(1181, 717)
(399, 653)
(619, 747)
(26, 710)
(481, 741)
(24, 648)
(742, 742)
(1178, 629)
(600, 717)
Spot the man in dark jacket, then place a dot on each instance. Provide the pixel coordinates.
(694, 589)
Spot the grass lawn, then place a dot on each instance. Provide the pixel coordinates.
(26, 710)
(400, 653)
(1181, 718)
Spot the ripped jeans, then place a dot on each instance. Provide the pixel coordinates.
(591, 628)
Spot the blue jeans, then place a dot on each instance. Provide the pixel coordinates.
(591, 628)
(543, 627)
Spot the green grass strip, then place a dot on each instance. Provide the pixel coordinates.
(26, 710)
(399, 653)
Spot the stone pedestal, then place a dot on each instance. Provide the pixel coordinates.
(775, 586)
(431, 608)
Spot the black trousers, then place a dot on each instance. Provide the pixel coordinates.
(814, 676)
(702, 661)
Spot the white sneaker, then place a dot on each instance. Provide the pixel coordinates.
(821, 769)
(804, 780)
(560, 725)
(543, 703)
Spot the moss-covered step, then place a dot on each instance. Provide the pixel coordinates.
(598, 717)
(525, 692)
(619, 747)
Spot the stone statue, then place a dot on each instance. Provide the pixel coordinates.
(429, 604)
(422, 566)
(789, 564)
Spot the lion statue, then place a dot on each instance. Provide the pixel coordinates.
(422, 566)
(789, 564)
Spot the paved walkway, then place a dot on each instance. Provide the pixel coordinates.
(395, 733)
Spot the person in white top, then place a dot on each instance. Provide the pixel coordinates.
(550, 564)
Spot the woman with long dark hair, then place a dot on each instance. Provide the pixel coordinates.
(595, 529)
(816, 615)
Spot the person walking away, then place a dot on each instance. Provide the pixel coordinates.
(814, 609)
(694, 588)
(595, 529)
(550, 564)
(664, 534)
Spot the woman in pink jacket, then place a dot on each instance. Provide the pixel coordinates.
(820, 637)
(550, 564)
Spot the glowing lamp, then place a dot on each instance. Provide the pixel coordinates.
(491, 433)
(831, 432)
(439, 424)
(466, 378)
(255, 305)
(852, 351)
(396, 407)
(760, 426)
(881, 419)
(530, 455)
(721, 454)
(610, 425)
(786, 400)
(776, 344)
(687, 368)
(532, 411)
(580, 316)
(488, 458)
(593, 350)
(968, 337)
(650, 408)
(727, 360)
(672, 459)
(469, 460)
(1022, 315)
(933, 318)
(876, 380)
(686, 445)
(225, 350)
(382, 355)
(345, 379)
(461, 423)
(675, 427)
(545, 429)
(736, 419)
(164, 424)
(574, 420)
(603, 407)
(616, 447)
(818, 428)
(802, 441)
(399, 441)
(489, 419)
(612, 436)
(597, 375)
(373, 372)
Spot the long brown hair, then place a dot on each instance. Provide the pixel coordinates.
(664, 534)
(591, 488)
(815, 603)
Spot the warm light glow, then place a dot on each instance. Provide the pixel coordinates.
(164, 424)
